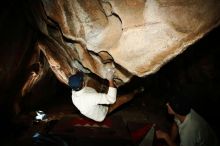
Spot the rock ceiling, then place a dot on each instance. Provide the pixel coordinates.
(139, 35)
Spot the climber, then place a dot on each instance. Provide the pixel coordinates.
(89, 102)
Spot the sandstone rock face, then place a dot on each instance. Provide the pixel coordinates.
(139, 35)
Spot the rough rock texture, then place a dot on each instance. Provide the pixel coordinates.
(139, 35)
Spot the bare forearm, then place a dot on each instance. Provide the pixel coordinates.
(165, 136)
(111, 83)
(174, 132)
(169, 141)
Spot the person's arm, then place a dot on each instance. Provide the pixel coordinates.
(174, 132)
(110, 97)
(163, 135)
(111, 83)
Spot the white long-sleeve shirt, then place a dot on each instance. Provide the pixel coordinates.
(93, 104)
(195, 131)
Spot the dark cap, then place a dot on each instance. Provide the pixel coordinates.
(76, 81)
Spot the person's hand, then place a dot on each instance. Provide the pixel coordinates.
(110, 70)
(161, 134)
(110, 74)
